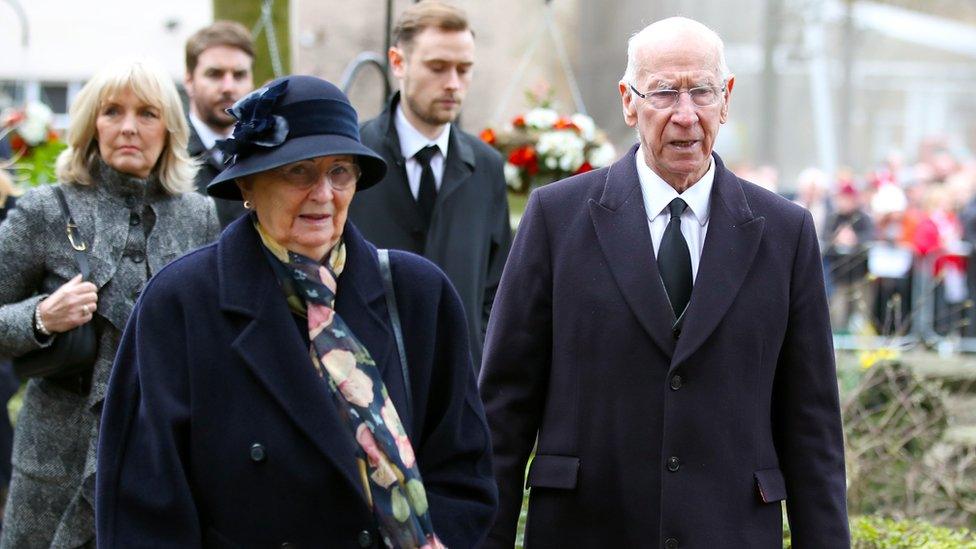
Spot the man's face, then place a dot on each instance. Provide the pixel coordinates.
(677, 141)
(434, 73)
(221, 77)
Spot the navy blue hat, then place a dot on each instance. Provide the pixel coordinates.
(292, 118)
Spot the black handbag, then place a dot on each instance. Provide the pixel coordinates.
(71, 355)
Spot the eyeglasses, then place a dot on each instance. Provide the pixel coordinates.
(304, 174)
(702, 96)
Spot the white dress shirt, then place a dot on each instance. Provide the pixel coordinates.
(658, 194)
(208, 137)
(412, 141)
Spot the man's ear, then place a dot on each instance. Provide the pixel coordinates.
(188, 83)
(628, 104)
(398, 60)
(725, 100)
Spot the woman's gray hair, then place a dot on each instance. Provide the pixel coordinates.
(672, 25)
(150, 83)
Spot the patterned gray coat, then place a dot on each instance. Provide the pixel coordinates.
(133, 229)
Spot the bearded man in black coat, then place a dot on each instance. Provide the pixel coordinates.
(444, 196)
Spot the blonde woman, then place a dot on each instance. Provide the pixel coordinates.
(128, 182)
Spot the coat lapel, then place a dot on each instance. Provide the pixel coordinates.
(458, 167)
(399, 199)
(730, 247)
(621, 229)
(274, 350)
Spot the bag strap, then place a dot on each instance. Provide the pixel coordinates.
(75, 238)
(391, 305)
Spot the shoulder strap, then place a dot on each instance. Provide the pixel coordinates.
(75, 238)
(391, 305)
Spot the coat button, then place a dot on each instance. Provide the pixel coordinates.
(671, 543)
(676, 382)
(258, 454)
(674, 464)
(365, 539)
(134, 219)
(137, 257)
(676, 332)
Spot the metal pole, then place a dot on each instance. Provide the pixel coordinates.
(847, 85)
(768, 151)
(386, 52)
(820, 91)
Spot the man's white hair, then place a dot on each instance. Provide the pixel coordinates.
(672, 25)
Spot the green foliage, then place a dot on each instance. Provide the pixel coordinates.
(36, 167)
(875, 532)
(248, 13)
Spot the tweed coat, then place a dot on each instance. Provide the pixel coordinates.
(217, 431)
(652, 434)
(132, 228)
(210, 167)
(469, 234)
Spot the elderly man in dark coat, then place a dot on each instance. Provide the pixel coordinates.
(661, 330)
(445, 194)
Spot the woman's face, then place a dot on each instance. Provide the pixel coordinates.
(303, 205)
(131, 133)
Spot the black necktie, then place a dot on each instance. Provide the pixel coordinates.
(427, 194)
(674, 260)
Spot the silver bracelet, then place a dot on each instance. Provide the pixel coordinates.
(38, 323)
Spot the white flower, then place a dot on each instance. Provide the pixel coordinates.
(541, 118)
(37, 118)
(585, 124)
(512, 175)
(602, 156)
(561, 149)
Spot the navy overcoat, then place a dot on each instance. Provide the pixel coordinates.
(218, 431)
(651, 436)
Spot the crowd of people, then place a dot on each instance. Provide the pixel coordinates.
(311, 332)
(897, 241)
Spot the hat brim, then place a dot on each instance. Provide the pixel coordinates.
(373, 166)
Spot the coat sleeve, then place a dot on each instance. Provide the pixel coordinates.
(516, 366)
(454, 448)
(21, 274)
(806, 411)
(142, 487)
(501, 242)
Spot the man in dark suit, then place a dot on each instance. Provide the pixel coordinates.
(218, 73)
(444, 196)
(661, 333)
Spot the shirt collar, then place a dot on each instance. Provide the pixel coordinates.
(207, 136)
(412, 140)
(658, 194)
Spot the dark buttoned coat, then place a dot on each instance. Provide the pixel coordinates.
(469, 234)
(218, 432)
(650, 436)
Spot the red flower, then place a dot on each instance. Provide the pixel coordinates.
(488, 136)
(17, 144)
(519, 121)
(584, 167)
(563, 123)
(525, 157)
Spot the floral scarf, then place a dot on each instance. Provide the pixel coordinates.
(388, 469)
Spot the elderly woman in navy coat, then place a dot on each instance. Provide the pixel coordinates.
(259, 399)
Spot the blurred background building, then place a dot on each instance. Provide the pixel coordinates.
(826, 83)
